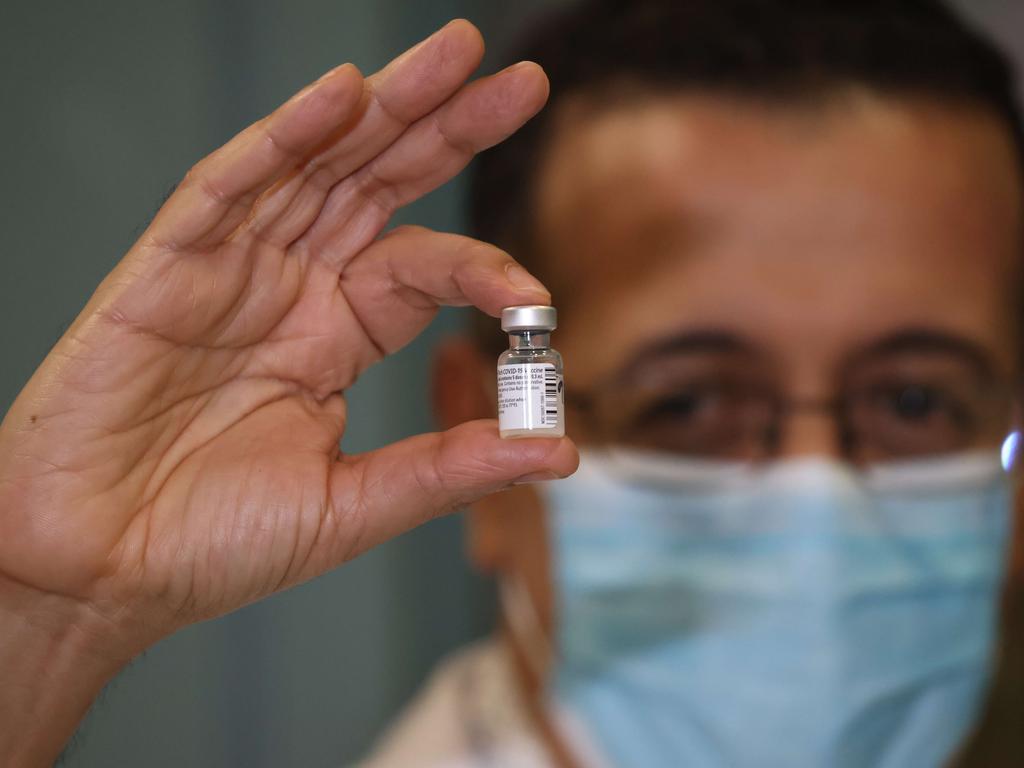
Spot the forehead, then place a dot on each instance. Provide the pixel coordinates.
(809, 230)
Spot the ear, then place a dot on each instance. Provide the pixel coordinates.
(463, 383)
(500, 526)
(463, 388)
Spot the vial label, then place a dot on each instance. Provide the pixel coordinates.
(529, 396)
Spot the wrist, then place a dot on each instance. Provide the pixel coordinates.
(54, 661)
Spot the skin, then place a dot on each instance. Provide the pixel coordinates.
(176, 455)
(808, 232)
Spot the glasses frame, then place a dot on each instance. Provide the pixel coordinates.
(999, 417)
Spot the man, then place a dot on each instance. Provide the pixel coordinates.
(176, 455)
(785, 241)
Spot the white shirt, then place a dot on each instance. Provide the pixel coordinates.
(471, 714)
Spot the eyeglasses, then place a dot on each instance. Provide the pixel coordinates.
(725, 406)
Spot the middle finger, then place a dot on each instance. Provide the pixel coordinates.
(429, 153)
(411, 86)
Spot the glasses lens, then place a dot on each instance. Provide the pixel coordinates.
(923, 405)
(702, 406)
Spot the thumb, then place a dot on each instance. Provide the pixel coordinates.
(385, 492)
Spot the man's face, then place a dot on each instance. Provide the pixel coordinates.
(805, 249)
(809, 252)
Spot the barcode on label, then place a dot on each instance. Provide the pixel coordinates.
(550, 397)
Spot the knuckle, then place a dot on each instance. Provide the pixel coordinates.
(478, 250)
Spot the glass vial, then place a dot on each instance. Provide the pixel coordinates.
(530, 400)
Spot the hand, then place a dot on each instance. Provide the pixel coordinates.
(176, 455)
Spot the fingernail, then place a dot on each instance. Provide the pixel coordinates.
(536, 477)
(522, 280)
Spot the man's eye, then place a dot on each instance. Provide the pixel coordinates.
(681, 406)
(703, 407)
(919, 405)
(915, 403)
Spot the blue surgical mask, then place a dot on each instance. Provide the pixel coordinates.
(798, 615)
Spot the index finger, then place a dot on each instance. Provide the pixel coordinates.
(396, 285)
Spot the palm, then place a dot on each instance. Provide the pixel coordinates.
(257, 413)
(176, 455)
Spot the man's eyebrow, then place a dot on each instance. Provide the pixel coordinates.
(931, 341)
(688, 342)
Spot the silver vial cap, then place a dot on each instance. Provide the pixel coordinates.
(531, 317)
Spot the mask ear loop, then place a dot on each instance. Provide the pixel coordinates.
(523, 623)
(525, 626)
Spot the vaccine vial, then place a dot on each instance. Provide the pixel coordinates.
(530, 401)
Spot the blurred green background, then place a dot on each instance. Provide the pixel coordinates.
(105, 106)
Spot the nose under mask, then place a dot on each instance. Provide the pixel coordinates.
(802, 614)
